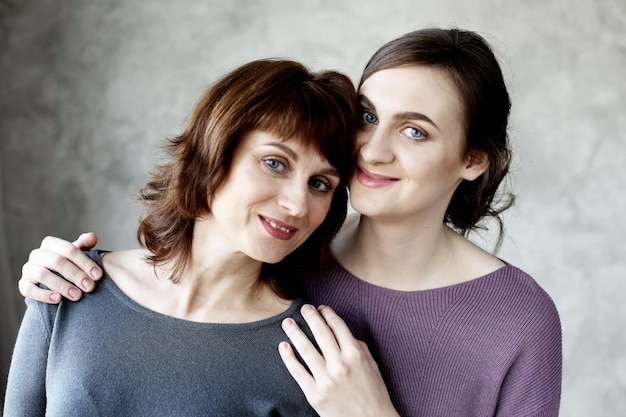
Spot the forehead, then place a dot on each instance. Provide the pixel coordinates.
(295, 146)
(420, 89)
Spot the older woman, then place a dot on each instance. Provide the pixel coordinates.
(188, 325)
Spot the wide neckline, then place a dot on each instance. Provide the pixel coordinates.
(109, 283)
(382, 289)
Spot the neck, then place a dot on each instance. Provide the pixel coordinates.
(405, 256)
(221, 282)
(214, 284)
(220, 285)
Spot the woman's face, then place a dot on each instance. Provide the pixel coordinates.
(276, 194)
(411, 146)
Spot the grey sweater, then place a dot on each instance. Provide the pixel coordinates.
(109, 356)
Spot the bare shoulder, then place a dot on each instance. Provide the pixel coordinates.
(127, 268)
(474, 261)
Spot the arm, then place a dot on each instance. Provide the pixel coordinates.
(68, 260)
(532, 386)
(26, 390)
(344, 380)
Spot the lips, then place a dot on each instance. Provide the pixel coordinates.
(373, 180)
(278, 229)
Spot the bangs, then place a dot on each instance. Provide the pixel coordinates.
(303, 115)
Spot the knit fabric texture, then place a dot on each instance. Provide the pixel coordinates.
(487, 347)
(109, 356)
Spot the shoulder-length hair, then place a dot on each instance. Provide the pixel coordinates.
(281, 97)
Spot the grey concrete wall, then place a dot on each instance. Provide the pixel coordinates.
(90, 88)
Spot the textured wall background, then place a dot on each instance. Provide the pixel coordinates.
(88, 89)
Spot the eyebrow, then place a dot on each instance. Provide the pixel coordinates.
(294, 156)
(285, 149)
(411, 115)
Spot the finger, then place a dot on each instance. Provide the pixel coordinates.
(302, 377)
(70, 257)
(41, 266)
(30, 289)
(86, 241)
(303, 345)
(352, 350)
(33, 275)
(38, 270)
(323, 334)
(342, 334)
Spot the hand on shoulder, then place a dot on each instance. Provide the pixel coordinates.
(62, 267)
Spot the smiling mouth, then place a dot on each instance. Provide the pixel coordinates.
(276, 230)
(275, 226)
(372, 180)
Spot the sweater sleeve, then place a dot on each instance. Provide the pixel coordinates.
(26, 388)
(532, 386)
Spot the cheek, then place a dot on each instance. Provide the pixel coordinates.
(362, 137)
(318, 212)
(430, 164)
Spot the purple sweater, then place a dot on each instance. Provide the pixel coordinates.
(487, 347)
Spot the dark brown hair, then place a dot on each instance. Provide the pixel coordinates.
(281, 97)
(471, 64)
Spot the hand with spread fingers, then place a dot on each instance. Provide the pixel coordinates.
(344, 379)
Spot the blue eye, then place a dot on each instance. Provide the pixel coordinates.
(368, 118)
(274, 164)
(414, 133)
(319, 184)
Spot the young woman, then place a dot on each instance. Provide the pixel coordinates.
(254, 188)
(455, 330)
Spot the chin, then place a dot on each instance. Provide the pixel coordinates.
(272, 260)
(364, 205)
(269, 258)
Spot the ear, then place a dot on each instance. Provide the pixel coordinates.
(476, 162)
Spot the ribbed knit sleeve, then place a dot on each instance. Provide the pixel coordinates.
(487, 347)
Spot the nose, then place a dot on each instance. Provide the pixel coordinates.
(294, 199)
(374, 146)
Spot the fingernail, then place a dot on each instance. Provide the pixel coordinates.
(283, 347)
(306, 308)
(96, 273)
(87, 284)
(73, 292)
(55, 297)
(288, 322)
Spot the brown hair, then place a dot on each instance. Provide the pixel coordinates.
(471, 64)
(278, 96)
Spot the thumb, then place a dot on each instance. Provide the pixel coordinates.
(86, 241)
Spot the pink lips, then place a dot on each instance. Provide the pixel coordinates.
(278, 229)
(370, 179)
